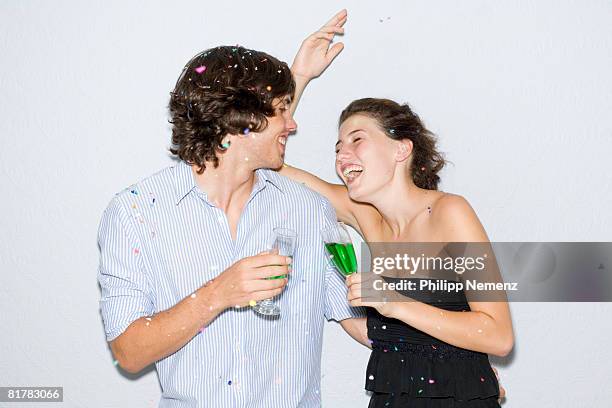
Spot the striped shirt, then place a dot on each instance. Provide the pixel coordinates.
(161, 239)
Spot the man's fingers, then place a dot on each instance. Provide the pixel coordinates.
(266, 284)
(337, 18)
(267, 294)
(270, 271)
(268, 259)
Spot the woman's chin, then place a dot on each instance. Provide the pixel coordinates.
(355, 195)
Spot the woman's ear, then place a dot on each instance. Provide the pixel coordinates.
(404, 150)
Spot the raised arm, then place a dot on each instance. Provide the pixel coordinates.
(315, 54)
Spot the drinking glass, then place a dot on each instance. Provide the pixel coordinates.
(283, 243)
(340, 248)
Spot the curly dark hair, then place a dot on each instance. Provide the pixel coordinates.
(400, 122)
(224, 90)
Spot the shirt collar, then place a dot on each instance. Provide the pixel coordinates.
(269, 176)
(185, 182)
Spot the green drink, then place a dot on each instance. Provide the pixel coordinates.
(343, 257)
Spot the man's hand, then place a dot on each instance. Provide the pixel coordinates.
(245, 281)
(315, 53)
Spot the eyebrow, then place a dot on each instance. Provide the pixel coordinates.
(354, 131)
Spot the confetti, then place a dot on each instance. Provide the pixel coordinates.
(252, 303)
(115, 363)
(384, 327)
(193, 295)
(200, 69)
(431, 381)
(136, 251)
(371, 377)
(134, 192)
(246, 131)
(229, 382)
(268, 88)
(481, 379)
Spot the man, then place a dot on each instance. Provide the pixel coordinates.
(183, 251)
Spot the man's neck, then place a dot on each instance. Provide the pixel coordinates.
(226, 186)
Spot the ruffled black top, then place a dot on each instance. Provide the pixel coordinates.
(407, 361)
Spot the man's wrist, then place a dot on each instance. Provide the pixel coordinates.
(210, 301)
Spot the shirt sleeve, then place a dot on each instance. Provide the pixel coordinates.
(336, 306)
(126, 293)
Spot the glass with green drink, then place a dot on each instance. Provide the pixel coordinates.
(340, 249)
(282, 243)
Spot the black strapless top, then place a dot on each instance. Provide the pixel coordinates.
(405, 360)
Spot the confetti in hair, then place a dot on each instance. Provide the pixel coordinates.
(200, 70)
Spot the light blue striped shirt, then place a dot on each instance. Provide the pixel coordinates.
(161, 239)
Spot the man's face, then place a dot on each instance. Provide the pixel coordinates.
(266, 149)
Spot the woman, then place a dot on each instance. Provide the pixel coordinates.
(422, 355)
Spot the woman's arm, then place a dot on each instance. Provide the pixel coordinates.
(486, 328)
(337, 194)
(357, 328)
(315, 55)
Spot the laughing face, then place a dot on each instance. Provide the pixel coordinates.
(266, 149)
(365, 157)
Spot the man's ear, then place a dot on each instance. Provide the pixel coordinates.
(404, 150)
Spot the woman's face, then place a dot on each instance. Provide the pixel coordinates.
(365, 157)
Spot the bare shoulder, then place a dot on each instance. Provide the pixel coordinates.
(454, 219)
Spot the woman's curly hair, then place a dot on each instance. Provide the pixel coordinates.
(400, 122)
(224, 90)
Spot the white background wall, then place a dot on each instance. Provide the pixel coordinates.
(519, 92)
